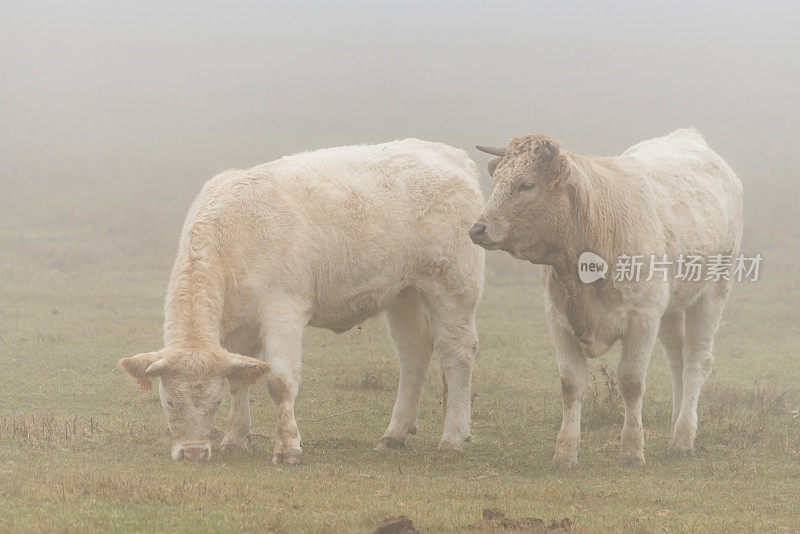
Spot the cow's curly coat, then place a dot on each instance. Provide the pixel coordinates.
(328, 239)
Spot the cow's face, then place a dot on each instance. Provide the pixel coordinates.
(191, 387)
(526, 212)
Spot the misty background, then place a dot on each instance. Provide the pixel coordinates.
(113, 115)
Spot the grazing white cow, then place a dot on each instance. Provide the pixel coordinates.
(662, 199)
(327, 239)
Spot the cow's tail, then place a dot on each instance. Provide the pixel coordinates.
(444, 389)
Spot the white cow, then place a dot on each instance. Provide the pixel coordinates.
(327, 239)
(660, 199)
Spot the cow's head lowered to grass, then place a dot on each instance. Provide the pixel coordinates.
(529, 205)
(191, 386)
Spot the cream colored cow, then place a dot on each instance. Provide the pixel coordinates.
(327, 239)
(661, 198)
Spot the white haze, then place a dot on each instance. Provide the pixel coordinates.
(115, 113)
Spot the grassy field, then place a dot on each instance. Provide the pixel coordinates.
(81, 448)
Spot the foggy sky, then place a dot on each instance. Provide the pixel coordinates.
(146, 93)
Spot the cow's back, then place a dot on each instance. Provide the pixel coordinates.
(347, 228)
(365, 194)
(698, 196)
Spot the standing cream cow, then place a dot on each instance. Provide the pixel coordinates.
(328, 239)
(661, 198)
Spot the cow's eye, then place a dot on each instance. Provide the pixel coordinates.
(526, 186)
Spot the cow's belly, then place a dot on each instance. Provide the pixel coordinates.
(341, 313)
(341, 323)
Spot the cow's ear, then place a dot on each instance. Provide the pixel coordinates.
(142, 366)
(562, 171)
(245, 369)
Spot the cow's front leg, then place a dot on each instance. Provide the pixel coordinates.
(283, 334)
(245, 341)
(239, 419)
(572, 366)
(637, 348)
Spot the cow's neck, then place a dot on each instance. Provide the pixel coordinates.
(195, 296)
(589, 229)
(600, 218)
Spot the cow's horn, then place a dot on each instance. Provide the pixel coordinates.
(493, 150)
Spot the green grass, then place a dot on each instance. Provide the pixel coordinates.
(81, 448)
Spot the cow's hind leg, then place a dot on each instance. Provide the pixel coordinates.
(672, 335)
(407, 319)
(247, 343)
(637, 348)
(282, 331)
(702, 320)
(456, 341)
(572, 366)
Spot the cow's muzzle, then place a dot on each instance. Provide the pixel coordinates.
(485, 236)
(477, 232)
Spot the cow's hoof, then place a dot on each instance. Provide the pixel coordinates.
(413, 430)
(451, 445)
(290, 457)
(388, 443)
(562, 465)
(632, 460)
(233, 443)
(681, 446)
(680, 451)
